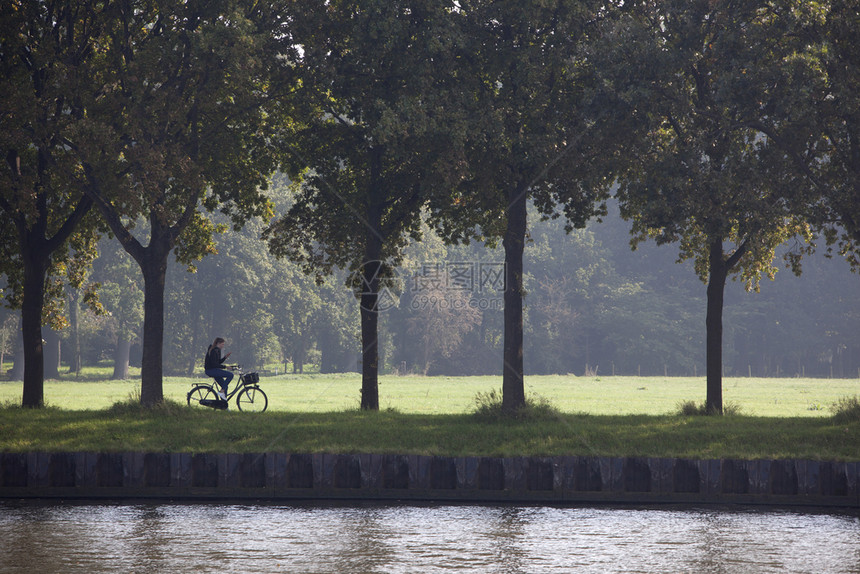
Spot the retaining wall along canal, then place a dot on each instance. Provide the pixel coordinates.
(560, 479)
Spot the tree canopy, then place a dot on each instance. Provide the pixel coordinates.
(46, 53)
(180, 125)
(703, 177)
(815, 118)
(542, 129)
(383, 130)
(418, 136)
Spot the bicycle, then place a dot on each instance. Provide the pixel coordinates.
(249, 396)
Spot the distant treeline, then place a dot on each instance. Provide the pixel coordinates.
(592, 306)
(422, 138)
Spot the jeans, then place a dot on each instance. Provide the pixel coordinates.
(221, 376)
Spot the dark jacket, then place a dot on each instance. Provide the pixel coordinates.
(213, 359)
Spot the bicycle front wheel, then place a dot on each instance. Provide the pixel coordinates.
(252, 399)
(200, 392)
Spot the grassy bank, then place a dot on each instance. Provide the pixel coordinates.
(606, 416)
(179, 428)
(788, 397)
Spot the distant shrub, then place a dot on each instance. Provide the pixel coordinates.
(694, 409)
(488, 407)
(846, 410)
(689, 409)
(132, 406)
(732, 408)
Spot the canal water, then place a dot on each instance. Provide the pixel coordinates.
(345, 539)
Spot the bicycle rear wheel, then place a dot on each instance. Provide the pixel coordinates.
(252, 399)
(200, 392)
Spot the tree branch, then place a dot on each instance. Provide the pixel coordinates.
(177, 228)
(798, 160)
(736, 256)
(128, 241)
(81, 209)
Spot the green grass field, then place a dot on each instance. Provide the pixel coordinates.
(598, 416)
(602, 395)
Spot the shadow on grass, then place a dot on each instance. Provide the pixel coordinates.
(172, 427)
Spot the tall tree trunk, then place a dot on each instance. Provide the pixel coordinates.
(195, 337)
(718, 271)
(370, 330)
(120, 358)
(192, 360)
(36, 252)
(371, 268)
(17, 372)
(75, 363)
(35, 270)
(325, 344)
(36, 247)
(717, 274)
(301, 353)
(154, 268)
(52, 354)
(152, 260)
(513, 387)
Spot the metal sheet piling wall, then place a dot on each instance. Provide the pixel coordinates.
(277, 476)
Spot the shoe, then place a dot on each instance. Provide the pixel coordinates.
(222, 396)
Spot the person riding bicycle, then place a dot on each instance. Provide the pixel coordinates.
(213, 366)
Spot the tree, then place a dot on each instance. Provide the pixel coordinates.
(704, 179)
(438, 309)
(46, 52)
(815, 117)
(383, 124)
(74, 307)
(542, 130)
(837, 116)
(441, 320)
(121, 296)
(81, 291)
(261, 305)
(8, 329)
(227, 296)
(180, 122)
(583, 316)
(297, 310)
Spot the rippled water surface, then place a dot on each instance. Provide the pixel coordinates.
(421, 539)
